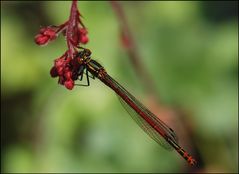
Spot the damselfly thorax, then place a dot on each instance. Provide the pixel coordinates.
(96, 69)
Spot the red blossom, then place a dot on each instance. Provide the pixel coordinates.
(66, 69)
(41, 39)
(49, 31)
(68, 75)
(84, 38)
(45, 35)
(53, 72)
(67, 66)
(69, 84)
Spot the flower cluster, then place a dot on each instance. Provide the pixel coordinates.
(67, 70)
(66, 66)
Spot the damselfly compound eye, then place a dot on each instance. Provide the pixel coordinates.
(87, 52)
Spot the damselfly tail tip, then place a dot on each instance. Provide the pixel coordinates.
(192, 162)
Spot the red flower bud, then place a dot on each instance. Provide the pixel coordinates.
(50, 32)
(83, 31)
(83, 35)
(69, 84)
(46, 34)
(60, 70)
(59, 62)
(61, 80)
(53, 72)
(41, 39)
(68, 75)
(67, 60)
(84, 39)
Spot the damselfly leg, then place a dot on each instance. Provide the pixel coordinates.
(82, 73)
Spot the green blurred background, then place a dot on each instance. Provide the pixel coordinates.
(191, 52)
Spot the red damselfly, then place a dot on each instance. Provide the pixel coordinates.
(149, 122)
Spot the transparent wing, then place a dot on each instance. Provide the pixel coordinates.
(141, 122)
(145, 126)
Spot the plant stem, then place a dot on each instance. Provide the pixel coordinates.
(71, 26)
(132, 51)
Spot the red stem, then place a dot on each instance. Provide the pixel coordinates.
(132, 51)
(71, 25)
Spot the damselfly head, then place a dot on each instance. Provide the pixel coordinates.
(85, 53)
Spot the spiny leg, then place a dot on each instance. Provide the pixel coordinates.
(81, 77)
(90, 75)
(81, 72)
(87, 78)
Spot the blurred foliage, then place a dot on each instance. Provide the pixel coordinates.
(189, 48)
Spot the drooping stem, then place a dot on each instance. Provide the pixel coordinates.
(131, 49)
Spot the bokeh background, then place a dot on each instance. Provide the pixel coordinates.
(190, 50)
